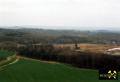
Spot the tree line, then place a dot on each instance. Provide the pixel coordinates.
(64, 55)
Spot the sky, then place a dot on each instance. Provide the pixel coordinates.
(80, 14)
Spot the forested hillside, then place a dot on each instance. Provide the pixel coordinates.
(24, 36)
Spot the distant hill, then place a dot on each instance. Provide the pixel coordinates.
(30, 35)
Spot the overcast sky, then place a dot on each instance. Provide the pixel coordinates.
(81, 13)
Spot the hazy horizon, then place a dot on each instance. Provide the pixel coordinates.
(61, 14)
(61, 28)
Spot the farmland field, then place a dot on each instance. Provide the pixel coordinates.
(95, 48)
(5, 53)
(36, 71)
(31, 70)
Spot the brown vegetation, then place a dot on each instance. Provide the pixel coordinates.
(95, 48)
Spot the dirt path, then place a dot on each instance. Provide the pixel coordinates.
(26, 58)
(15, 61)
(20, 57)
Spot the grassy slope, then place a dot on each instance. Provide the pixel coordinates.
(5, 53)
(34, 71)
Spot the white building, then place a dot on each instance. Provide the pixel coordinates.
(113, 51)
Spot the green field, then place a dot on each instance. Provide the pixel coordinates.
(5, 53)
(36, 71)
(28, 70)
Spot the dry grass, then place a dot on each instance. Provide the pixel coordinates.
(97, 48)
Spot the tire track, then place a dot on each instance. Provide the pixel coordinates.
(15, 61)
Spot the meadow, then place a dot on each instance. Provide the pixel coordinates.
(26, 70)
(32, 70)
(6, 53)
